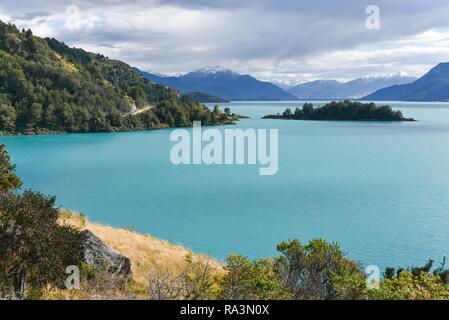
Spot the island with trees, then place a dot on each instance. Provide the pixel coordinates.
(342, 111)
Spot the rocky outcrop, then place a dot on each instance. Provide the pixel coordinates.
(99, 255)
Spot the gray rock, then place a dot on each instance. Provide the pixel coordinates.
(99, 255)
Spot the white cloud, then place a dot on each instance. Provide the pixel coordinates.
(272, 39)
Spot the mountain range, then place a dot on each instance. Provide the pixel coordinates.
(217, 84)
(222, 84)
(355, 89)
(433, 86)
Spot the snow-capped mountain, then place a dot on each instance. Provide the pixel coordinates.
(286, 84)
(222, 83)
(433, 86)
(400, 74)
(212, 70)
(355, 89)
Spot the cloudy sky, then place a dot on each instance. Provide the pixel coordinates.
(270, 39)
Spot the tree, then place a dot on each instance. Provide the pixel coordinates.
(50, 120)
(308, 110)
(298, 114)
(65, 117)
(8, 179)
(34, 116)
(139, 96)
(216, 111)
(251, 280)
(287, 113)
(350, 285)
(406, 286)
(8, 118)
(35, 249)
(227, 111)
(195, 281)
(308, 271)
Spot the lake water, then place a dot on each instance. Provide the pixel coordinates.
(380, 189)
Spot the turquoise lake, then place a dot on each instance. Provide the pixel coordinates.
(379, 189)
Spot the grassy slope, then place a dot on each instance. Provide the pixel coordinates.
(144, 251)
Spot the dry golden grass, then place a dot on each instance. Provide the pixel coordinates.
(66, 64)
(144, 251)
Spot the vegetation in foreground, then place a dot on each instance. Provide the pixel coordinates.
(38, 241)
(342, 111)
(45, 86)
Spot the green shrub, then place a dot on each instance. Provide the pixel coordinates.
(34, 249)
(406, 286)
(308, 271)
(251, 280)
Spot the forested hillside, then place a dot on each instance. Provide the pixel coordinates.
(47, 86)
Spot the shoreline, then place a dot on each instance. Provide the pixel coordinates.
(269, 117)
(44, 133)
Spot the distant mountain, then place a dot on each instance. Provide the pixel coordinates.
(222, 83)
(286, 84)
(319, 89)
(433, 86)
(355, 89)
(203, 97)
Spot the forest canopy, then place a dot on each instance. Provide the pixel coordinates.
(47, 86)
